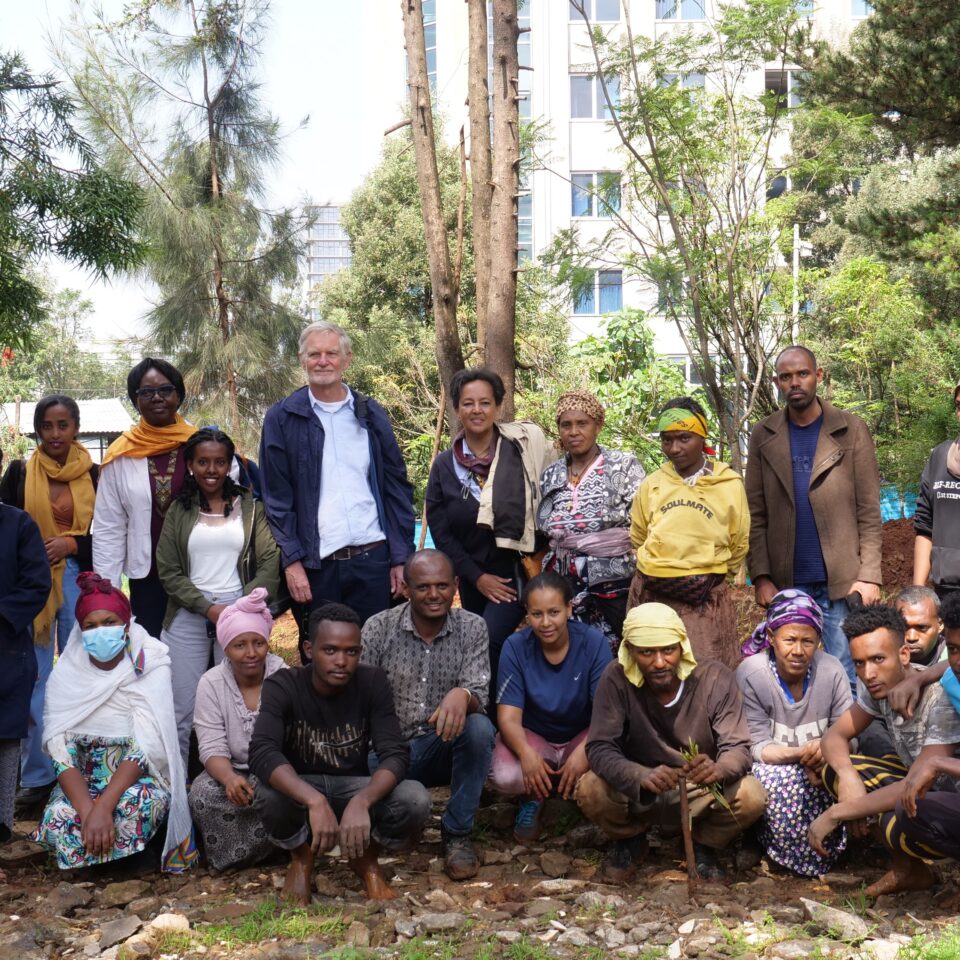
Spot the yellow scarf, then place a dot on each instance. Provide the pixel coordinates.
(142, 440)
(41, 469)
(649, 626)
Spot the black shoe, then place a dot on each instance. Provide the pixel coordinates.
(624, 859)
(460, 860)
(31, 800)
(707, 864)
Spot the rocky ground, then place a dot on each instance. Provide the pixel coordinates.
(526, 904)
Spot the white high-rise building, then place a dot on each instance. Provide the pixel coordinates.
(582, 152)
(328, 251)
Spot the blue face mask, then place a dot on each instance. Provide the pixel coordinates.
(104, 643)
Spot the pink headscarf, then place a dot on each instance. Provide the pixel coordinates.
(248, 614)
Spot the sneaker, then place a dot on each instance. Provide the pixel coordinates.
(622, 862)
(460, 860)
(528, 826)
(707, 864)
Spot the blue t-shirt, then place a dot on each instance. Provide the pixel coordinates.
(556, 699)
(808, 565)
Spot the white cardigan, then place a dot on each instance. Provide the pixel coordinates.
(121, 519)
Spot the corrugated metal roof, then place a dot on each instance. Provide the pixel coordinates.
(96, 416)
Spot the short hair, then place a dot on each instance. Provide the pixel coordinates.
(324, 326)
(462, 377)
(867, 618)
(950, 611)
(548, 580)
(334, 613)
(685, 403)
(811, 356)
(426, 553)
(914, 594)
(53, 400)
(161, 366)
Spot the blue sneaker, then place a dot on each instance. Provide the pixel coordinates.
(527, 827)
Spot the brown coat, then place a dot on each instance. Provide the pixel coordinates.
(844, 495)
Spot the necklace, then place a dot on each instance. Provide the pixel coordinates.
(163, 485)
(691, 481)
(576, 477)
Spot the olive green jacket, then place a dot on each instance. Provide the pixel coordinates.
(258, 566)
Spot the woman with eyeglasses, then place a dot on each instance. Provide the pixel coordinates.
(936, 549)
(141, 474)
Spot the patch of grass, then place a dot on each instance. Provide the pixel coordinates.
(347, 953)
(527, 950)
(421, 948)
(943, 946)
(858, 902)
(273, 920)
(170, 941)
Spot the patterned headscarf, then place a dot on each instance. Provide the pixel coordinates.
(788, 606)
(581, 400)
(654, 625)
(98, 593)
(681, 419)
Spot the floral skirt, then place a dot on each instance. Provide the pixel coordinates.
(140, 811)
(793, 803)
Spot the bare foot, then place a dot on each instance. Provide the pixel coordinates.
(367, 868)
(916, 876)
(296, 886)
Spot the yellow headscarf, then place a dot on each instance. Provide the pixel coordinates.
(41, 469)
(649, 626)
(142, 440)
(682, 421)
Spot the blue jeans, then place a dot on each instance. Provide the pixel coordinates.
(834, 639)
(463, 763)
(36, 768)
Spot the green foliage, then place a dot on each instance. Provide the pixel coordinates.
(273, 920)
(85, 213)
(887, 362)
(944, 945)
(901, 68)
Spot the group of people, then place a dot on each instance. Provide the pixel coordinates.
(594, 653)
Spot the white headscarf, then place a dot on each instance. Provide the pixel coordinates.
(77, 688)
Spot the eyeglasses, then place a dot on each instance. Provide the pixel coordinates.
(148, 393)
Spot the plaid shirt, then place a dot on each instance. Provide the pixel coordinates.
(422, 674)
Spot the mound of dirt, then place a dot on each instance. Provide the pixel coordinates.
(897, 554)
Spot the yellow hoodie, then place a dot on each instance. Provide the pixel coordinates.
(680, 530)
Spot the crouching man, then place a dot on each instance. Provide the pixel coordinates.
(316, 726)
(651, 708)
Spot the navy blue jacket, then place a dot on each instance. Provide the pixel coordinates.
(291, 454)
(24, 587)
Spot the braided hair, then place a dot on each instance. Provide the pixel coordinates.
(191, 492)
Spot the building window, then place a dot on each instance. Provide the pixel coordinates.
(595, 194)
(602, 11)
(430, 41)
(524, 226)
(524, 55)
(680, 10)
(587, 100)
(603, 295)
(786, 86)
(860, 8)
(688, 81)
(803, 8)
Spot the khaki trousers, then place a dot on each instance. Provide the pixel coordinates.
(713, 825)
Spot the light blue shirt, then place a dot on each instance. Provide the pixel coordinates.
(465, 477)
(347, 515)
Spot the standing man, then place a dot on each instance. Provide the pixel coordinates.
(814, 494)
(437, 662)
(335, 486)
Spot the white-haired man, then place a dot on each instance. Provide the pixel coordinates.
(335, 485)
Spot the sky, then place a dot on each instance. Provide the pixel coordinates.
(315, 64)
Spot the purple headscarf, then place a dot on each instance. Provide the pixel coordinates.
(788, 606)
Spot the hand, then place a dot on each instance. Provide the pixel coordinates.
(869, 592)
(355, 828)
(820, 829)
(850, 787)
(323, 825)
(496, 589)
(660, 779)
(396, 580)
(917, 782)
(214, 611)
(451, 715)
(765, 590)
(97, 830)
(536, 775)
(58, 547)
(813, 777)
(810, 755)
(573, 769)
(297, 583)
(904, 697)
(702, 771)
(239, 791)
